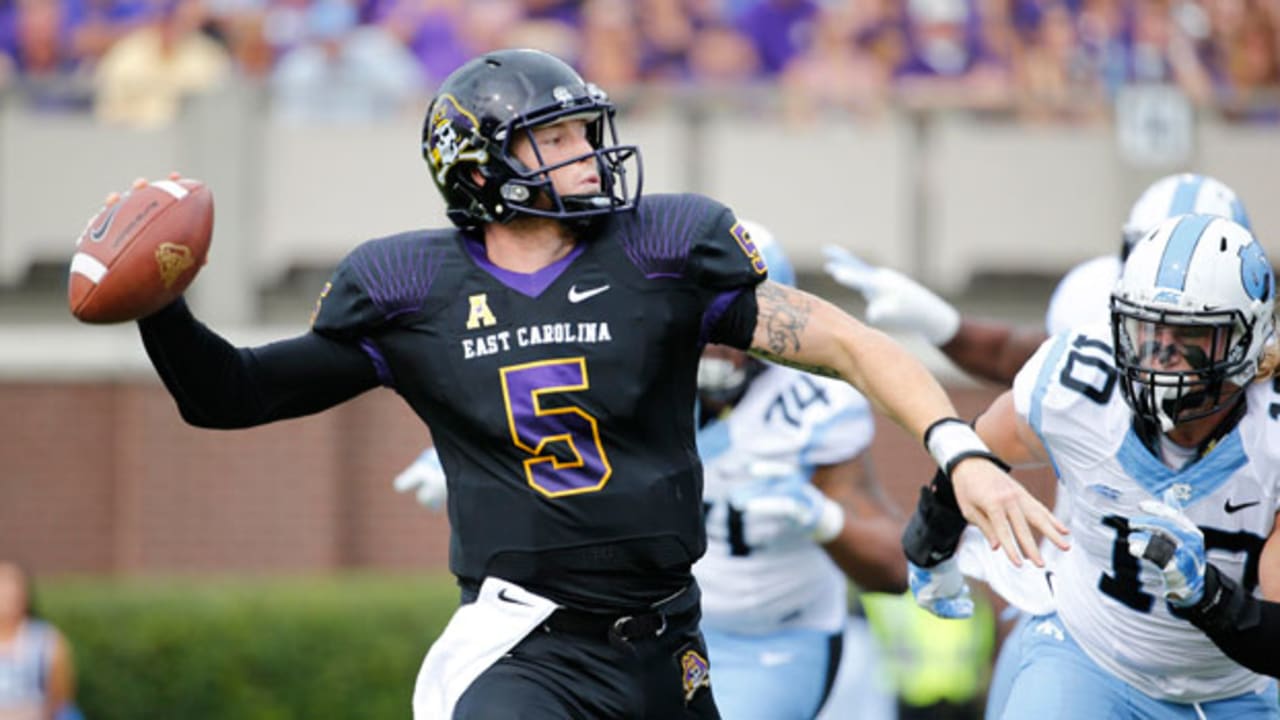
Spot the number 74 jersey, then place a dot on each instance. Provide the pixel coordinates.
(1110, 603)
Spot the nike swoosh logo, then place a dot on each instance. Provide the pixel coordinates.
(1229, 508)
(577, 296)
(503, 596)
(96, 234)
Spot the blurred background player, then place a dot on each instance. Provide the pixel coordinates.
(1162, 430)
(993, 350)
(791, 509)
(37, 679)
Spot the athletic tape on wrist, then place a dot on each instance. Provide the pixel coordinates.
(951, 440)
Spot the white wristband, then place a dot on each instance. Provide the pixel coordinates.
(830, 522)
(951, 440)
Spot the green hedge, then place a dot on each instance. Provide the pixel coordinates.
(341, 647)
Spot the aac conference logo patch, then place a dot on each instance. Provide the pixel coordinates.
(749, 248)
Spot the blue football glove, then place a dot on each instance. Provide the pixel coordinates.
(426, 475)
(781, 505)
(941, 589)
(1169, 541)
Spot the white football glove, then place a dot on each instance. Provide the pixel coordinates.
(780, 505)
(941, 589)
(426, 474)
(894, 301)
(1166, 539)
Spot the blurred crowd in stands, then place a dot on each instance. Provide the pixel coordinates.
(132, 61)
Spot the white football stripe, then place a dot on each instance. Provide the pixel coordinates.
(88, 266)
(171, 187)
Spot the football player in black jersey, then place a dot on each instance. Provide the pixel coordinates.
(550, 341)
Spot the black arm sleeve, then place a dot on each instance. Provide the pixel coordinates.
(737, 326)
(217, 385)
(1243, 627)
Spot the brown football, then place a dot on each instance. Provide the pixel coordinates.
(141, 252)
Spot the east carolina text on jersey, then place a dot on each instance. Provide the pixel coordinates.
(544, 334)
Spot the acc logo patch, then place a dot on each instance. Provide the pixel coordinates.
(454, 132)
(695, 673)
(749, 248)
(171, 260)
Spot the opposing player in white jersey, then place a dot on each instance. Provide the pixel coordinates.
(1163, 430)
(994, 350)
(789, 504)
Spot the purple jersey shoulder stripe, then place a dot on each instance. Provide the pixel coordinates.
(528, 284)
(658, 236)
(397, 274)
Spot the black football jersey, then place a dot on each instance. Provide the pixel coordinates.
(562, 401)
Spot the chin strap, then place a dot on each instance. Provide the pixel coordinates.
(1243, 627)
(1149, 432)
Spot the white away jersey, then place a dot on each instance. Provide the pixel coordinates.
(789, 417)
(1069, 393)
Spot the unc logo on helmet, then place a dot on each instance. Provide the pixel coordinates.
(450, 140)
(1255, 271)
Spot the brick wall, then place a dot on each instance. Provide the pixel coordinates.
(106, 478)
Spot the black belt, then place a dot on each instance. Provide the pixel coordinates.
(647, 623)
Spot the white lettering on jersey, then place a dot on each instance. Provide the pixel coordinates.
(486, 344)
(560, 333)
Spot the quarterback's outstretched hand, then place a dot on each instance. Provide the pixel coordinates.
(1005, 511)
(782, 505)
(1168, 540)
(894, 301)
(427, 476)
(941, 589)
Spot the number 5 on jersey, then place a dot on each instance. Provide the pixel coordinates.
(535, 427)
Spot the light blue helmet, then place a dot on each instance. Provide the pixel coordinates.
(1174, 195)
(1202, 277)
(780, 269)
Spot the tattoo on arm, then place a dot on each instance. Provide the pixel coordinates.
(783, 316)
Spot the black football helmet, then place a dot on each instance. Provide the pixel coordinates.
(482, 107)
